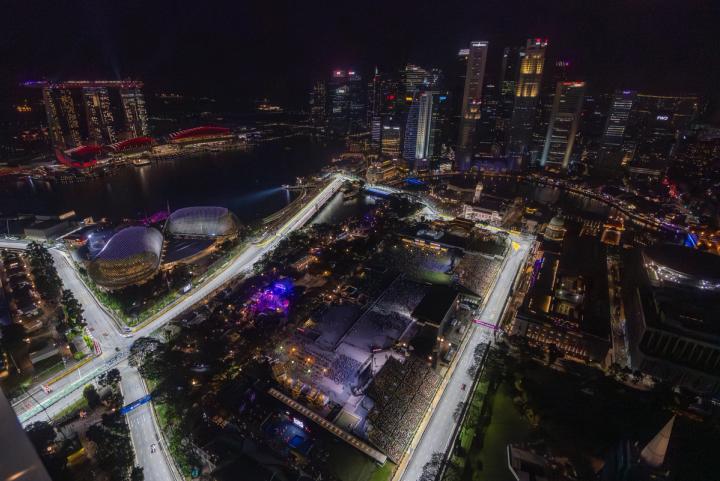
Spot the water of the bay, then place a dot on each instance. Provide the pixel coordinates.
(247, 182)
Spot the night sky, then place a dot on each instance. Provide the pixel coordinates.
(247, 49)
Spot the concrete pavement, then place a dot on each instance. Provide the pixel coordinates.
(144, 432)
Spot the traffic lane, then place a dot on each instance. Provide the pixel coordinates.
(101, 325)
(142, 428)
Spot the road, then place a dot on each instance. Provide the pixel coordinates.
(109, 335)
(437, 432)
(144, 431)
(142, 424)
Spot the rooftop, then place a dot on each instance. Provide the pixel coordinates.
(435, 305)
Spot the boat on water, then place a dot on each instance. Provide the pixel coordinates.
(141, 161)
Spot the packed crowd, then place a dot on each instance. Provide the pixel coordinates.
(477, 273)
(402, 392)
(344, 369)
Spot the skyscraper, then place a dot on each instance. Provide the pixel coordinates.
(506, 93)
(527, 90)
(99, 117)
(375, 96)
(62, 117)
(563, 125)
(428, 131)
(653, 125)
(317, 104)
(411, 133)
(555, 73)
(423, 128)
(618, 117)
(487, 128)
(133, 103)
(106, 116)
(346, 113)
(391, 141)
(414, 78)
(472, 100)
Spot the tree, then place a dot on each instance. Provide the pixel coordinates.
(137, 474)
(73, 310)
(180, 276)
(432, 467)
(114, 453)
(41, 435)
(91, 395)
(109, 378)
(141, 348)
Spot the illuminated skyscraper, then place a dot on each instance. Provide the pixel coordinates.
(563, 125)
(346, 113)
(472, 100)
(487, 128)
(99, 118)
(414, 78)
(428, 134)
(618, 117)
(422, 129)
(506, 93)
(527, 90)
(105, 118)
(133, 104)
(411, 133)
(62, 117)
(375, 96)
(555, 73)
(391, 141)
(653, 125)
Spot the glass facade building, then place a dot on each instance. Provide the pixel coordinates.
(131, 256)
(202, 222)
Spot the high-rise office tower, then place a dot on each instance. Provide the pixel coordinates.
(414, 78)
(100, 121)
(62, 117)
(470, 112)
(506, 93)
(653, 125)
(390, 144)
(554, 74)
(563, 125)
(317, 104)
(376, 133)
(423, 128)
(487, 127)
(618, 116)
(527, 90)
(428, 132)
(411, 133)
(508, 70)
(346, 113)
(133, 104)
(375, 96)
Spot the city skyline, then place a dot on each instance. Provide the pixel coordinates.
(642, 42)
(405, 241)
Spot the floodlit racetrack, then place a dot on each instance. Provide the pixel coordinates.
(434, 436)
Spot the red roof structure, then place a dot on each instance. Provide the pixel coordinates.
(205, 131)
(80, 157)
(130, 144)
